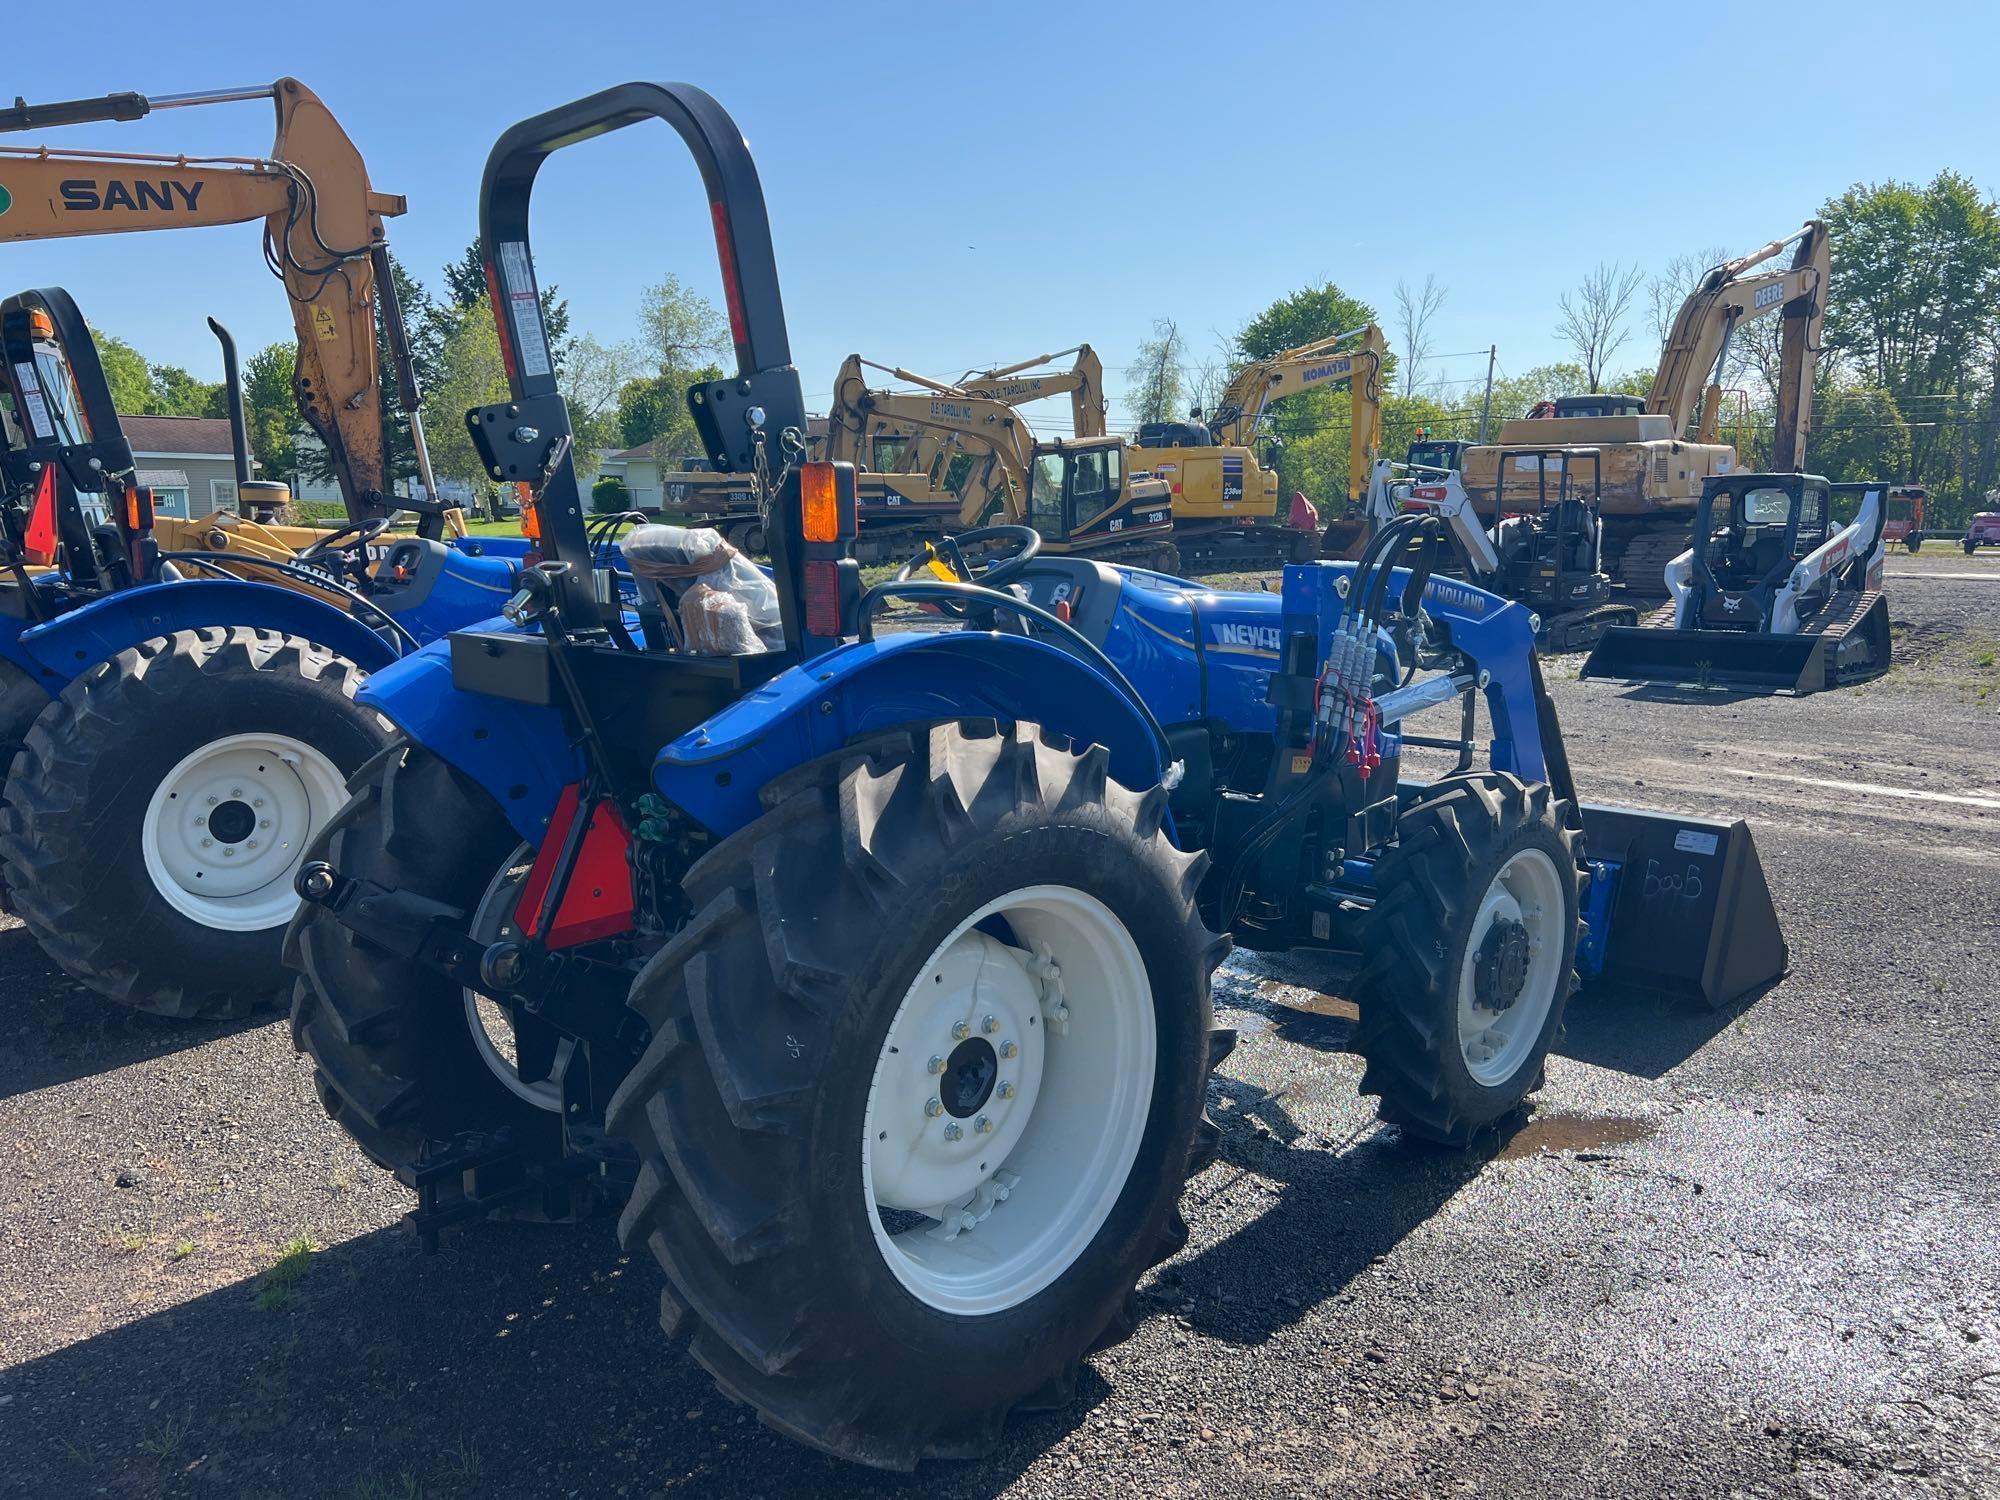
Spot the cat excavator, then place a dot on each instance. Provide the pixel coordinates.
(1078, 492)
(1654, 476)
(323, 238)
(1224, 479)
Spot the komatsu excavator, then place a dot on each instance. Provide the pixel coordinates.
(1224, 482)
(1078, 492)
(323, 237)
(1653, 476)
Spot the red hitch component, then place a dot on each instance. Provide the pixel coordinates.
(598, 902)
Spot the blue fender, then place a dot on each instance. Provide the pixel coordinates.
(716, 771)
(56, 652)
(518, 752)
(523, 757)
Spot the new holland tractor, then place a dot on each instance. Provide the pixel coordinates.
(869, 970)
(175, 725)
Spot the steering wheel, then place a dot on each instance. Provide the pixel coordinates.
(353, 557)
(996, 574)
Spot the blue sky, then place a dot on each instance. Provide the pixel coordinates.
(952, 185)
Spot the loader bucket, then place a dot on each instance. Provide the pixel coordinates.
(1739, 660)
(1678, 906)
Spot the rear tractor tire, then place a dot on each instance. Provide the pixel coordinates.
(1471, 955)
(162, 803)
(22, 701)
(401, 1056)
(926, 1070)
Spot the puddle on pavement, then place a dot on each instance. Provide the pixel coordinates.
(1297, 997)
(1578, 1133)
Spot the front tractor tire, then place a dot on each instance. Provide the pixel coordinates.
(925, 1076)
(160, 806)
(1471, 955)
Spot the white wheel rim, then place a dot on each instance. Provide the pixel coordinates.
(983, 1221)
(226, 828)
(1496, 1034)
(492, 1023)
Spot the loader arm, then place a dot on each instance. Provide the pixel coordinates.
(1731, 295)
(1257, 386)
(1858, 545)
(1391, 495)
(323, 236)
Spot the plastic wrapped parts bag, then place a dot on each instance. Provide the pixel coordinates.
(727, 606)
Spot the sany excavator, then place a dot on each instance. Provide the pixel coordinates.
(1225, 490)
(323, 237)
(1077, 492)
(1653, 477)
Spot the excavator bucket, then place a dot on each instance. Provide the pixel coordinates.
(1678, 906)
(1848, 643)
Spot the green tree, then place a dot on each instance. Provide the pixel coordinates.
(173, 392)
(653, 409)
(270, 411)
(1153, 379)
(1915, 309)
(126, 372)
(1313, 426)
(679, 328)
(1858, 433)
(470, 373)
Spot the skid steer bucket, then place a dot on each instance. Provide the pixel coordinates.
(1742, 660)
(1678, 905)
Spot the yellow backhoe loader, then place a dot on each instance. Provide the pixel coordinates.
(1224, 483)
(323, 237)
(1652, 474)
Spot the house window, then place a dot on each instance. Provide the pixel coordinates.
(222, 494)
(171, 502)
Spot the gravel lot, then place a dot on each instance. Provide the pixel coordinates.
(1754, 1252)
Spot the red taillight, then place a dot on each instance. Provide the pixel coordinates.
(822, 598)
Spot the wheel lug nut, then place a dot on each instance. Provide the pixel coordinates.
(1005, 1091)
(258, 803)
(936, 1064)
(208, 843)
(229, 854)
(934, 1107)
(1008, 1049)
(983, 1125)
(990, 1025)
(253, 843)
(960, 1031)
(236, 791)
(213, 800)
(953, 1131)
(263, 822)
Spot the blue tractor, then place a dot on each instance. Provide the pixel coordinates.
(869, 970)
(176, 725)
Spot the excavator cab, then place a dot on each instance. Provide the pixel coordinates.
(1081, 498)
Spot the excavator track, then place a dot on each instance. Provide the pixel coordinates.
(1642, 565)
(1241, 549)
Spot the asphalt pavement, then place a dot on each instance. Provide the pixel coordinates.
(1752, 1252)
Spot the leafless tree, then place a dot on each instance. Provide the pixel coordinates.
(1207, 377)
(1414, 311)
(1593, 317)
(1667, 291)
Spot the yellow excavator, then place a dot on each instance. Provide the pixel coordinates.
(1651, 474)
(1078, 492)
(323, 237)
(1224, 481)
(902, 492)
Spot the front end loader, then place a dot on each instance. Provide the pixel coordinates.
(1774, 596)
(869, 970)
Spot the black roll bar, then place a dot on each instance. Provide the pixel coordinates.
(755, 418)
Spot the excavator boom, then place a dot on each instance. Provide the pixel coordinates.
(323, 235)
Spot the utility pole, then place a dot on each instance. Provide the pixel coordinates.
(1486, 407)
